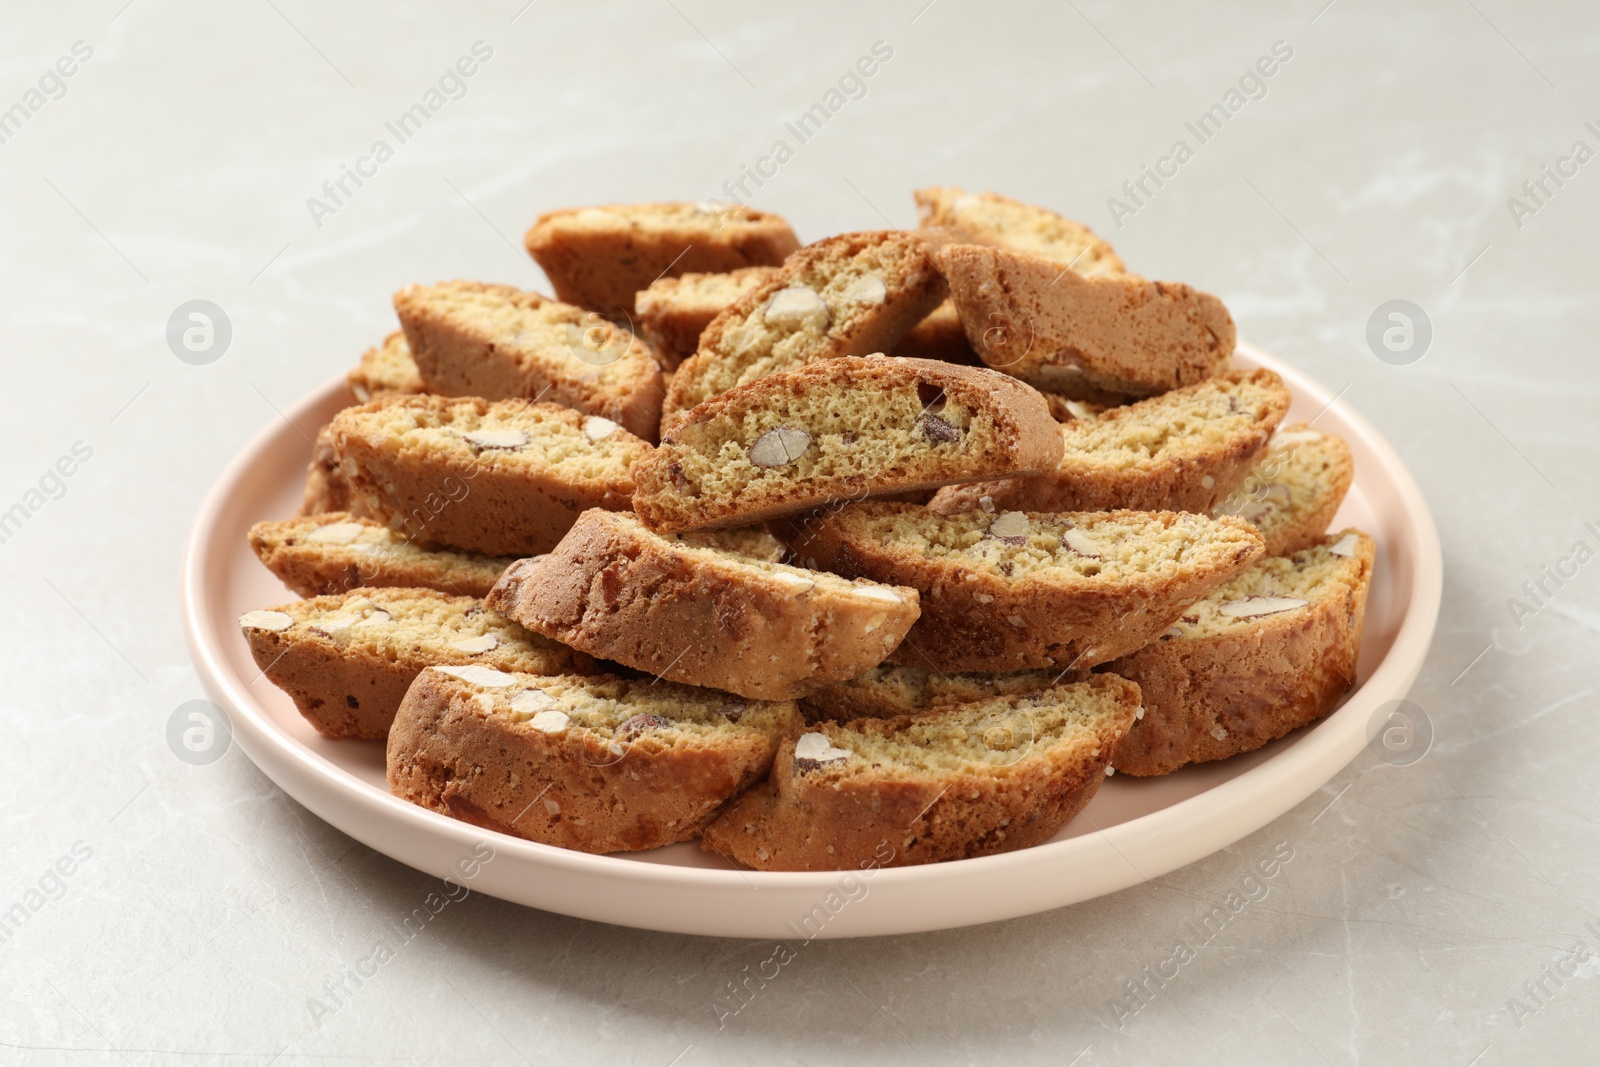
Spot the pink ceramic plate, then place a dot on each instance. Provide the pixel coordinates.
(1132, 831)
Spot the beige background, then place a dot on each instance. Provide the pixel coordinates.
(1377, 166)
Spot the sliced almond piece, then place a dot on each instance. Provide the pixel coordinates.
(1010, 524)
(486, 677)
(336, 533)
(475, 645)
(1253, 606)
(492, 438)
(780, 447)
(815, 747)
(274, 621)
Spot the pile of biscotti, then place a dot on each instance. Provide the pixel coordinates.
(882, 550)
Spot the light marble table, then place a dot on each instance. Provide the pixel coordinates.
(1427, 907)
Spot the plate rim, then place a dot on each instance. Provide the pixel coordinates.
(1188, 827)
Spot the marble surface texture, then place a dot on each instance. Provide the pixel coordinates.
(1446, 912)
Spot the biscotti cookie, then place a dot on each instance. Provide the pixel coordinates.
(506, 478)
(334, 553)
(960, 781)
(842, 429)
(1120, 333)
(991, 219)
(599, 257)
(1295, 488)
(674, 312)
(385, 369)
(327, 489)
(849, 295)
(347, 660)
(1016, 591)
(1181, 451)
(599, 764)
(496, 342)
(703, 616)
(939, 335)
(888, 691)
(1266, 653)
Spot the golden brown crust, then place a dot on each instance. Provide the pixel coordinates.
(746, 342)
(701, 616)
(976, 618)
(1208, 698)
(335, 552)
(580, 788)
(496, 342)
(894, 815)
(1120, 333)
(876, 425)
(351, 688)
(599, 257)
(674, 311)
(1185, 451)
(419, 474)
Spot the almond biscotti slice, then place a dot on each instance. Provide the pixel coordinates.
(496, 342)
(347, 660)
(844, 296)
(1181, 451)
(1295, 488)
(1017, 591)
(327, 489)
(386, 369)
(842, 429)
(598, 764)
(889, 691)
(1050, 325)
(941, 336)
(599, 257)
(703, 616)
(991, 219)
(507, 478)
(334, 553)
(674, 311)
(1266, 653)
(959, 781)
